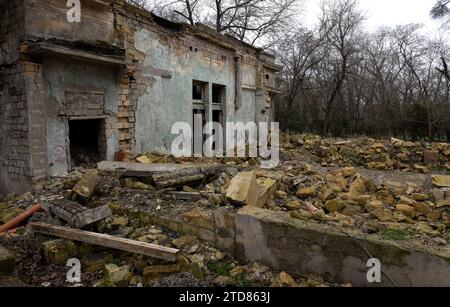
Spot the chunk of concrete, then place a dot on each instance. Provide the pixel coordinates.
(119, 276)
(243, 189)
(58, 251)
(266, 188)
(7, 261)
(87, 185)
(77, 215)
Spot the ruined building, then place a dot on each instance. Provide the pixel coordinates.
(116, 81)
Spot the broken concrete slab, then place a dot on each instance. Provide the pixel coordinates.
(77, 215)
(266, 188)
(135, 169)
(87, 185)
(243, 189)
(187, 175)
(7, 261)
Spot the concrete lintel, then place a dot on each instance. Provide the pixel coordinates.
(45, 48)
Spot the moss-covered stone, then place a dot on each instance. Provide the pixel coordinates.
(119, 276)
(7, 261)
(58, 251)
(157, 271)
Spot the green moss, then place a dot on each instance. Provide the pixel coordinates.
(395, 235)
(219, 269)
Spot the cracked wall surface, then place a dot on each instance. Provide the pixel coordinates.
(121, 64)
(15, 169)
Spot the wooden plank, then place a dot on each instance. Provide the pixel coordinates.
(142, 248)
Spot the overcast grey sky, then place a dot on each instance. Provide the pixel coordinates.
(386, 12)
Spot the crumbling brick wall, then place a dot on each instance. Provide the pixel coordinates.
(14, 122)
(128, 84)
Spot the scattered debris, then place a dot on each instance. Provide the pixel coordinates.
(243, 189)
(7, 261)
(131, 246)
(13, 220)
(77, 215)
(162, 209)
(87, 185)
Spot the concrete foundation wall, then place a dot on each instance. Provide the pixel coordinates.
(298, 247)
(275, 239)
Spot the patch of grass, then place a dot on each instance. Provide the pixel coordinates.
(219, 269)
(243, 282)
(395, 235)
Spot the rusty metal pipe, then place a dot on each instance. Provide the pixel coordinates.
(18, 220)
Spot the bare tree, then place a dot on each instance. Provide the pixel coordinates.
(440, 9)
(145, 4)
(254, 21)
(380, 84)
(299, 54)
(340, 21)
(444, 70)
(186, 9)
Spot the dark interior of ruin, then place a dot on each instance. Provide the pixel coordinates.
(86, 141)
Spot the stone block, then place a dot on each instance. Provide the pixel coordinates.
(243, 189)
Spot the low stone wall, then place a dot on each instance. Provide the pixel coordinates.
(214, 226)
(284, 243)
(295, 246)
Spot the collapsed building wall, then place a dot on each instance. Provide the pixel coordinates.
(116, 81)
(14, 121)
(171, 59)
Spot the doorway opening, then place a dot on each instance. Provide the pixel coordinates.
(87, 140)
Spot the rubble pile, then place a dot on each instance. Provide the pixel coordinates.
(360, 204)
(320, 181)
(41, 260)
(394, 154)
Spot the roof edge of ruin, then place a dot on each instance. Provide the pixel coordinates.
(201, 30)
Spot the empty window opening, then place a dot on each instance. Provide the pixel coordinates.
(267, 77)
(198, 137)
(218, 94)
(87, 142)
(199, 91)
(217, 117)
